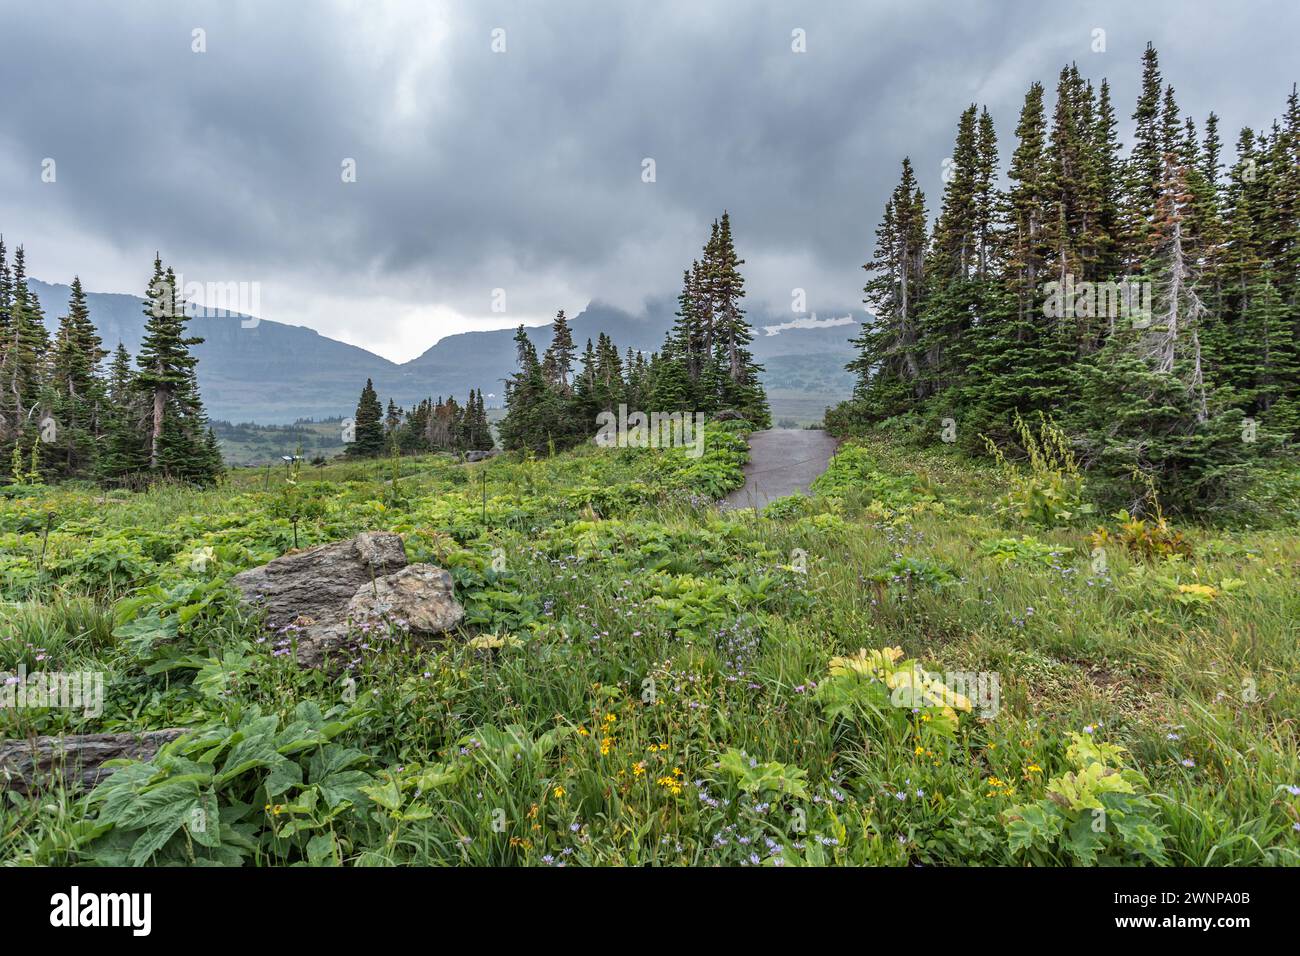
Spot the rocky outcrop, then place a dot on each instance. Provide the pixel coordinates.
(332, 594)
(77, 759)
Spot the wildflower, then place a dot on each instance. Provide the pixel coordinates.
(1188, 762)
(671, 784)
(558, 792)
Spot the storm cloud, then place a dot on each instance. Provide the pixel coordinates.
(522, 169)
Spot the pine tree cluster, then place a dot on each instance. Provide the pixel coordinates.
(704, 365)
(1148, 302)
(64, 415)
(429, 426)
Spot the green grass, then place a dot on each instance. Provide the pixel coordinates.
(625, 643)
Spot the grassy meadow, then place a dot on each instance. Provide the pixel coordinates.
(641, 678)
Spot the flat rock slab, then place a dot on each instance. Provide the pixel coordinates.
(782, 461)
(77, 759)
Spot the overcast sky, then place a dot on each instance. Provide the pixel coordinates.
(522, 170)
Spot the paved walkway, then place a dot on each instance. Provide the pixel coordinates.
(782, 461)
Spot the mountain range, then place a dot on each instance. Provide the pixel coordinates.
(269, 372)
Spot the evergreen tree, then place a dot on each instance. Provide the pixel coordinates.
(531, 412)
(124, 445)
(1146, 164)
(888, 365)
(24, 361)
(368, 434)
(557, 364)
(79, 396)
(731, 331)
(177, 441)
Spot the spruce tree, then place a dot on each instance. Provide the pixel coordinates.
(557, 364)
(23, 364)
(888, 366)
(1145, 165)
(177, 440)
(124, 451)
(742, 388)
(368, 430)
(79, 396)
(530, 407)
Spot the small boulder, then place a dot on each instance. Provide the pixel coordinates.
(473, 456)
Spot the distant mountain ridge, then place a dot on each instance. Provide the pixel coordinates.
(273, 373)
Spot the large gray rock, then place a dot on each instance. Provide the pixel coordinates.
(337, 594)
(473, 456)
(419, 599)
(318, 583)
(40, 762)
